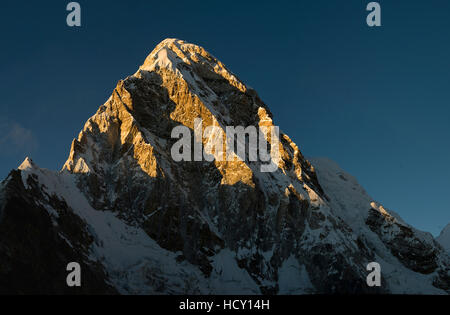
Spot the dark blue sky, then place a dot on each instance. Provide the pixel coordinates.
(376, 100)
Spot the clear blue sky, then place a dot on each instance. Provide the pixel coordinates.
(377, 101)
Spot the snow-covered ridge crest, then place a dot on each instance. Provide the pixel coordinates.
(349, 200)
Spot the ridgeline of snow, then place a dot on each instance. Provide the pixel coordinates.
(352, 203)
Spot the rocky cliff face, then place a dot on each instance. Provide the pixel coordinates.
(142, 223)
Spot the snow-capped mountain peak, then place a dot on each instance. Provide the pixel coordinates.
(187, 60)
(141, 222)
(27, 164)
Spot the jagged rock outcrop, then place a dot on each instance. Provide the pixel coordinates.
(143, 223)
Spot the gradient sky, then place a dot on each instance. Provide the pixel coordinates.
(375, 100)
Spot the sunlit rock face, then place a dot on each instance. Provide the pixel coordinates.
(153, 225)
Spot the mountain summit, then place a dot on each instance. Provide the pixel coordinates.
(140, 223)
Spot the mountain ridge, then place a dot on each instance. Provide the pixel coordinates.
(149, 225)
